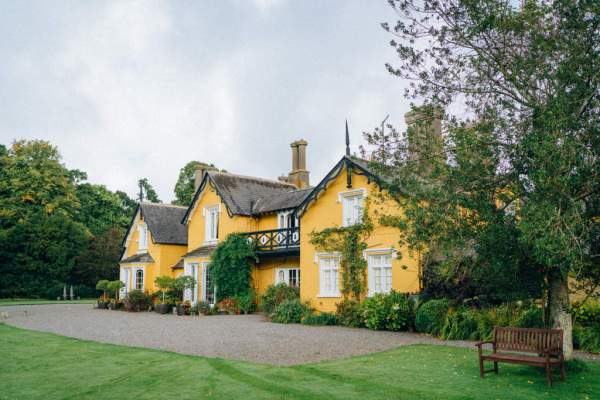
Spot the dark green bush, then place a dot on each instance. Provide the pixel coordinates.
(431, 316)
(290, 311)
(323, 318)
(277, 294)
(588, 313)
(348, 313)
(461, 324)
(587, 338)
(246, 302)
(137, 300)
(390, 311)
(532, 317)
(203, 308)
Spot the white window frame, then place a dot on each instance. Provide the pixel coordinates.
(328, 264)
(135, 277)
(371, 255)
(204, 286)
(211, 224)
(285, 271)
(353, 205)
(142, 238)
(284, 219)
(191, 294)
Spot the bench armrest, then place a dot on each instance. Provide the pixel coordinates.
(479, 344)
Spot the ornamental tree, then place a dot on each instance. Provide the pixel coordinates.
(521, 151)
(164, 283)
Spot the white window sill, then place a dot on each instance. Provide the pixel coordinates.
(329, 296)
(210, 242)
(140, 251)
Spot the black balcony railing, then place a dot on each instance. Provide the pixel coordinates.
(276, 240)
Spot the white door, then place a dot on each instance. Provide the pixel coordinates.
(208, 287)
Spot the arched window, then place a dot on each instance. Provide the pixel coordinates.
(139, 279)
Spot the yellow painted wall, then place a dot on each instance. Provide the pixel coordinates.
(263, 274)
(227, 224)
(327, 212)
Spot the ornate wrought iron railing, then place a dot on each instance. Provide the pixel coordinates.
(275, 239)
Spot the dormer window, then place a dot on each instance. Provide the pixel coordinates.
(352, 206)
(143, 238)
(211, 220)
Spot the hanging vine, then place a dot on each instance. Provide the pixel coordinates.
(350, 241)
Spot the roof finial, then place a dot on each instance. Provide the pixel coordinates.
(347, 140)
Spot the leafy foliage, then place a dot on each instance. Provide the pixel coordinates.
(348, 313)
(137, 300)
(277, 294)
(231, 267)
(431, 315)
(525, 165)
(290, 312)
(147, 192)
(164, 283)
(322, 318)
(392, 312)
(229, 306)
(350, 242)
(184, 188)
(246, 302)
(55, 228)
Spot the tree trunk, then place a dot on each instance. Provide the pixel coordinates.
(558, 305)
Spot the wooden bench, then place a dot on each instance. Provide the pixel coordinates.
(510, 344)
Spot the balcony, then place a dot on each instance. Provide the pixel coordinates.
(276, 242)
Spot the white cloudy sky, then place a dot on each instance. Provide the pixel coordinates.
(131, 89)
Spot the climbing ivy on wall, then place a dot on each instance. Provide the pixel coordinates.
(350, 241)
(231, 266)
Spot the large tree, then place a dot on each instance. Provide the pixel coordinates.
(184, 188)
(527, 75)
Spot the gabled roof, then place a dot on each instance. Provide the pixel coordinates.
(240, 193)
(362, 167)
(163, 221)
(138, 258)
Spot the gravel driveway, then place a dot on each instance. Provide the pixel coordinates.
(240, 337)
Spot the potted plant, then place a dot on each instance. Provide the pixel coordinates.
(203, 308)
(137, 300)
(104, 300)
(182, 283)
(164, 283)
(115, 286)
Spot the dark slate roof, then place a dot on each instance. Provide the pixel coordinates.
(366, 166)
(164, 222)
(205, 250)
(282, 201)
(138, 258)
(240, 193)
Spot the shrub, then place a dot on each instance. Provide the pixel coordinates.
(348, 313)
(137, 300)
(461, 324)
(183, 282)
(431, 316)
(290, 311)
(387, 311)
(115, 286)
(203, 308)
(532, 317)
(247, 302)
(587, 338)
(229, 306)
(277, 294)
(587, 313)
(323, 318)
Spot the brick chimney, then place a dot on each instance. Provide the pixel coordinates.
(424, 123)
(299, 176)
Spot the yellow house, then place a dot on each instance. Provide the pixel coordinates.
(154, 242)
(280, 215)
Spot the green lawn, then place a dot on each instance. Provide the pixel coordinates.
(20, 302)
(39, 365)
